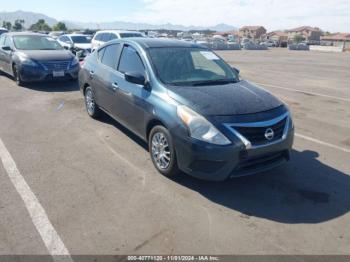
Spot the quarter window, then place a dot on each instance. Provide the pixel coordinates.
(2, 40)
(110, 56)
(130, 61)
(8, 41)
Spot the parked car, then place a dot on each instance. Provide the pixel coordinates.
(32, 57)
(104, 36)
(3, 30)
(79, 44)
(194, 111)
(56, 34)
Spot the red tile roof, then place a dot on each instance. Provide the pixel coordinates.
(304, 28)
(278, 33)
(337, 37)
(251, 27)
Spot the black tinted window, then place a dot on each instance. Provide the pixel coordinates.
(98, 37)
(106, 37)
(130, 61)
(112, 37)
(110, 56)
(127, 35)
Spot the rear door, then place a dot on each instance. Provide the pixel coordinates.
(2, 41)
(104, 76)
(7, 56)
(131, 98)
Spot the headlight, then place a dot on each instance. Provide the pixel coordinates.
(200, 128)
(26, 61)
(74, 62)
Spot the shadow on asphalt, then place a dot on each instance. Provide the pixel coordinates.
(57, 86)
(109, 120)
(305, 190)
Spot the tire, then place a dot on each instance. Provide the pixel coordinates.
(91, 107)
(162, 151)
(17, 76)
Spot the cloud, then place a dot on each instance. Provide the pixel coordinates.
(331, 15)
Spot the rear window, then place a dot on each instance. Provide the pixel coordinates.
(106, 37)
(126, 35)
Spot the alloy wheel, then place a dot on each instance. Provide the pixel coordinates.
(90, 102)
(161, 151)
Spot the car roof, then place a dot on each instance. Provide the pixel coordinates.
(69, 35)
(160, 42)
(117, 31)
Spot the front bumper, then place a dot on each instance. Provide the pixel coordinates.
(37, 74)
(218, 163)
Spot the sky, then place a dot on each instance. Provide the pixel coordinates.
(329, 15)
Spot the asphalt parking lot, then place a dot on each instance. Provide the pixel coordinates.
(97, 186)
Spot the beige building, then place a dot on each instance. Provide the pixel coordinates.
(311, 34)
(276, 36)
(252, 32)
(339, 39)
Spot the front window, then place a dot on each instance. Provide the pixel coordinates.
(191, 66)
(80, 40)
(36, 42)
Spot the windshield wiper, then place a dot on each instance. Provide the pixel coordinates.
(214, 82)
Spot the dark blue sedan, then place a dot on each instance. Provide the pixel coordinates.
(194, 111)
(30, 57)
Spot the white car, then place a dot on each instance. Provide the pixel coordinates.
(104, 36)
(78, 41)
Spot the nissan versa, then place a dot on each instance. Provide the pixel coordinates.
(32, 57)
(192, 108)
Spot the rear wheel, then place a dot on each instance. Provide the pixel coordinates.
(162, 151)
(92, 109)
(17, 76)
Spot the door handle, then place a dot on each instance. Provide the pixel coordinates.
(115, 86)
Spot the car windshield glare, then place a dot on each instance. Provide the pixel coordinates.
(34, 42)
(81, 40)
(191, 66)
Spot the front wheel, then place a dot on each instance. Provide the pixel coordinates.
(92, 109)
(162, 151)
(17, 76)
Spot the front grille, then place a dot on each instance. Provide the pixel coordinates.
(256, 135)
(56, 65)
(251, 165)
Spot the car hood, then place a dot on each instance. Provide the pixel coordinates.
(83, 46)
(48, 55)
(224, 100)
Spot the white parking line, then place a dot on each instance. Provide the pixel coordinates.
(50, 237)
(323, 143)
(304, 92)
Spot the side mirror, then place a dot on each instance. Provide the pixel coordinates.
(236, 70)
(6, 48)
(135, 78)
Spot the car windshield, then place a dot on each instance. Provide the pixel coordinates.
(191, 66)
(81, 39)
(126, 35)
(35, 42)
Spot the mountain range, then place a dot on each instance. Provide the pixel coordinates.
(31, 18)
